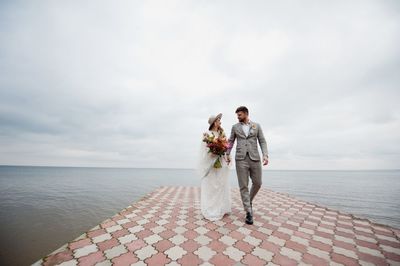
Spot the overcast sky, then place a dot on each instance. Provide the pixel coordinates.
(132, 83)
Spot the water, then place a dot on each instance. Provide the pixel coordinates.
(42, 208)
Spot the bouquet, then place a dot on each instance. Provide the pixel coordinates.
(217, 146)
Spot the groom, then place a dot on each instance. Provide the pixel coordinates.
(248, 161)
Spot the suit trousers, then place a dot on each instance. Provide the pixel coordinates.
(244, 169)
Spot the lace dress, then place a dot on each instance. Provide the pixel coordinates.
(215, 197)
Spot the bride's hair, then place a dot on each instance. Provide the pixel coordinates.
(220, 129)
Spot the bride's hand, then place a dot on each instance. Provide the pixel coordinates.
(228, 159)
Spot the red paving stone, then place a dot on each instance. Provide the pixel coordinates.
(107, 244)
(135, 245)
(158, 259)
(92, 258)
(250, 259)
(190, 259)
(166, 228)
(221, 259)
(314, 260)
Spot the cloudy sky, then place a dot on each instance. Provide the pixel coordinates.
(132, 83)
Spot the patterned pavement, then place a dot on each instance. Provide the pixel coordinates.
(166, 228)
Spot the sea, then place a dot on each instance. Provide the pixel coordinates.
(42, 208)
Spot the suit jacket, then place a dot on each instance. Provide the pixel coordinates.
(249, 143)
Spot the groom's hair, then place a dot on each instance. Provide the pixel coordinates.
(242, 109)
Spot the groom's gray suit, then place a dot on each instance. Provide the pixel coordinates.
(248, 160)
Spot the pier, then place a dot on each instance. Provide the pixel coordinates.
(166, 227)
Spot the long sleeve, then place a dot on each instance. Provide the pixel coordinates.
(203, 159)
(262, 141)
(231, 140)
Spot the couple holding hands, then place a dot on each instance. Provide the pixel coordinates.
(214, 164)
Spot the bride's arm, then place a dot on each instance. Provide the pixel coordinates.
(231, 141)
(205, 160)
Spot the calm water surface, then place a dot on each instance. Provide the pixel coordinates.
(42, 208)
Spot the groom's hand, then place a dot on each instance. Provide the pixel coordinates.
(265, 161)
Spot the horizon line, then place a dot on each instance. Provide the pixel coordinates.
(174, 168)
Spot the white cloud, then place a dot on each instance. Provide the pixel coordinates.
(132, 84)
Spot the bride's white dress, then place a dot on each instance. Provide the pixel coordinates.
(215, 196)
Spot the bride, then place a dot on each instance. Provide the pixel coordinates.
(215, 198)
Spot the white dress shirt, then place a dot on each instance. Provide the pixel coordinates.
(246, 127)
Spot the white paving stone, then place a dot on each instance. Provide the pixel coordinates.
(229, 241)
(306, 230)
(345, 239)
(345, 252)
(175, 252)
(234, 253)
(325, 230)
(388, 238)
(275, 223)
(276, 240)
(263, 254)
(318, 253)
(152, 239)
(322, 239)
(370, 251)
(127, 238)
(252, 240)
(69, 263)
(368, 239)
(365, 263)
(101, 238)
(145, 252)
(180, 230)
(363, 229)
(201, 230)
(161, 222)
(205, 253)
(115, 251)
(136, 229)
(123, 221)
(345, 230)
(203, 239)
(104, 263)
(178, 239)
(223, 230)
(244, 230)
(181, 222)
(290, 253)
(390, 249)
(158, 229)
(114, 228)
(86, 250)
(142, 222)
(300, 240)
(265, 231)
(285, 230)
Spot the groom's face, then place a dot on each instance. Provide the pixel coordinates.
(242, 116)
